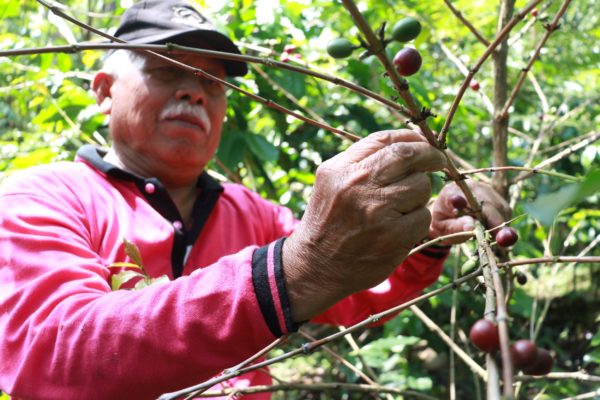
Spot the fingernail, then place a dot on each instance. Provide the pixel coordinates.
(469, 224)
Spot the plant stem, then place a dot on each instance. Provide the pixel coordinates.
(532, 171)
(549, 30)
(489, 51)
(488, 262)
(453, 346)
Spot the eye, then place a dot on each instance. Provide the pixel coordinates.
(212, 85)
(165, 73)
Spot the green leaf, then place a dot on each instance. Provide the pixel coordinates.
(546, 207)
(261, 147)
(231, 149)
(133, 252)
(118, 280)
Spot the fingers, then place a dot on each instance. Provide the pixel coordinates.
(379, 140)
(400, 159)
(407, 194)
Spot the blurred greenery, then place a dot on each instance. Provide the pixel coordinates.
(47, 112)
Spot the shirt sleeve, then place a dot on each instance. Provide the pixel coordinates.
(408, 280)
(65, 335)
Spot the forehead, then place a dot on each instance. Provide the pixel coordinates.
(211, 65)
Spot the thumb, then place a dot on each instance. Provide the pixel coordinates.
(452, 225)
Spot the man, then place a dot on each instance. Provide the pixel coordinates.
(236, 282)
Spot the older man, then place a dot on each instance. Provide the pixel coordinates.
(236, 282)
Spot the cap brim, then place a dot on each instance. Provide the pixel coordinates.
(202, 39)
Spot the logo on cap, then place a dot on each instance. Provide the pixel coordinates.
(189, 17)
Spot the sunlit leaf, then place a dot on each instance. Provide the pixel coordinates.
(546, 207)
(118, 280)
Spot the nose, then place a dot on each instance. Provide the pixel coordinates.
(191, 91)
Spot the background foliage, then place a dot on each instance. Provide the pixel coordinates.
(47, 112)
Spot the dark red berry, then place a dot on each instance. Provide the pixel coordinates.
(534, 12)
(484, 335)
(521, 278)
(474, 85)
(290, 48)
(523, 353)
(506, 237)
(458, 201)
(543, 363)
(407, 61)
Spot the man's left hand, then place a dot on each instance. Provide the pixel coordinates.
(446, 219)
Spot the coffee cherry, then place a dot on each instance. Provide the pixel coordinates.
(534, 12)
(290, 48)
(523, 353)
(407, 61)
(406, 30)
(458, 201)
(506, 237)
(340, 48)
(484, 335)
(474, 85)
(521, 278)
(542, 365)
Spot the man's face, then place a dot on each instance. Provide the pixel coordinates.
(165, 119)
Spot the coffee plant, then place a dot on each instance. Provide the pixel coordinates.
(508, 90)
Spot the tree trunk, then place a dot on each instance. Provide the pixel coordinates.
(500, 123)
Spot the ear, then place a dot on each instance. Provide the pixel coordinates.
(101, 86)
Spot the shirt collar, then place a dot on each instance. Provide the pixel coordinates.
(94, 156)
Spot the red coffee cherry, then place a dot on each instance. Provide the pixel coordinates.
(407, 61)
(506, 237)
(290, 48)
(458, 201)
(523, 353)
(543, 363)
(484, 335)
(534, 12)
(474, 85)
(521, 278)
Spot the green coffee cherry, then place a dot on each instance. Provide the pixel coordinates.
(406, 29)
(340, 48)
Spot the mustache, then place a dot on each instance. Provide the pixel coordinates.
(188, 112)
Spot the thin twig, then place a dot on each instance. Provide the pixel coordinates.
(489, 51)
(488, 262)
(584, 396)
(559, 156)
(581, 376)
(453, 346)
(466, 23)
(549, 30)
(321, 387)
(342, 360)
(535, 170)
(465, 71)
(377, 48)
(553, 259)
(309, 347)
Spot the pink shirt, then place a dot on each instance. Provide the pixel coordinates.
(64, 334)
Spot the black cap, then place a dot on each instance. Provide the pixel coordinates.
(176, 21)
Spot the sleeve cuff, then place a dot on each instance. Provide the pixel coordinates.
(269, 286)
(437, 252)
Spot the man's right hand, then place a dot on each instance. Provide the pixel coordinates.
(367, 211)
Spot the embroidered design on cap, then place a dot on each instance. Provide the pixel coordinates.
(187, 16)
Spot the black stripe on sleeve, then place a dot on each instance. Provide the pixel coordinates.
(437, 252)
(260, 280)
(290, 326)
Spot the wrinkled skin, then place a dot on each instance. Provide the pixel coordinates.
(368, 210)
(369, 205)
